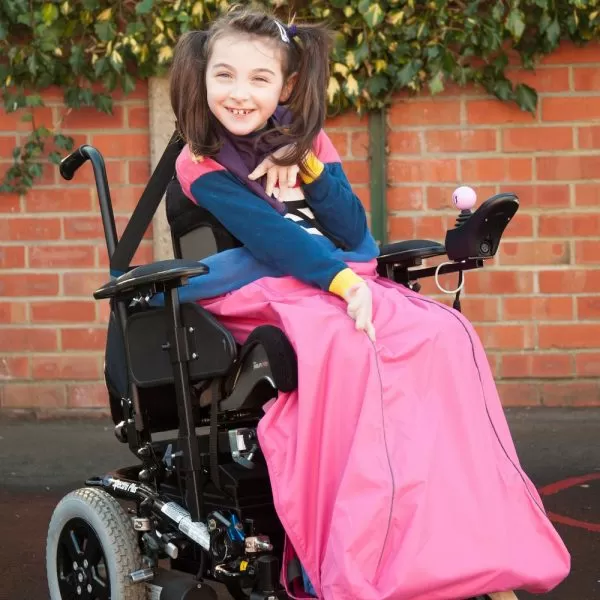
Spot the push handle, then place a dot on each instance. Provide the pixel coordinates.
(70, 164)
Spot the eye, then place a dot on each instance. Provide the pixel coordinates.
(261, 79)
(223, 75)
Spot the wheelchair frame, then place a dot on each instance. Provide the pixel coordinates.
(189, 536)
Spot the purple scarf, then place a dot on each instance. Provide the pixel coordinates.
(240, 155)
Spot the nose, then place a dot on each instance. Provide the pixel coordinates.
(239, 92)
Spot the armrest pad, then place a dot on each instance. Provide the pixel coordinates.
(409, 250)
(145, 277)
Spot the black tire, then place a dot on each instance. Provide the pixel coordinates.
(92, 545)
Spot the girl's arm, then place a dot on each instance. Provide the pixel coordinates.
(270, 237)
(330, 196)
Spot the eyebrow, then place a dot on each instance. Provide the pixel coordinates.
(226, 66)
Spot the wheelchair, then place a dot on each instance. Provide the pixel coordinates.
(196, 507)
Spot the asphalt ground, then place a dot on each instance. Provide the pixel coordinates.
(42, 461)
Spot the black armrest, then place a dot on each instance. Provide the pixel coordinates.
(157, 276)
(410, 251)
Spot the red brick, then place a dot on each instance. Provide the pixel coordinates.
(87, 395)
(521, 225)
(545, 79)
(431, 227)
(569, 281)
(404, 142)
(404, 198)
(460, 140)
(422, 170)
(496, 169)
(7, 145)
(439, 197)
(139, 93)
(588, 307)
(88, 118)
(43, 116)
(34, 395)
(587, 364)
(138, 117)
(13, 312)
(10, 203)
(586, 79)
(27, 339)
(480, 309)
(114, 145)
(66, 366)
(534, 253)
(346, 120)
(12, 257)
(542, 196)
(357, 171)
(29, 285)
(67, 199)
(401, 228)
(570, 393)
(428, 112)
(63, 311)
(139, 171)
(91, 338)
(143, 255)
(569, 225)
(506, 336)
(520, 393)
(29, 229)
(51, 257)
(547, 365)
(589, 137)
(570, 109)
(125, 198)
(567, 167)
(532, 139)
(538, 308)
(491, 112)
(587, 252)
(355, 144)
(83, 228)
(83, 283)
(569, 53)
(14, 367)
(572, 335)
(587, 194)
(499, 282)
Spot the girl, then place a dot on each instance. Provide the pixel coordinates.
(392, 467)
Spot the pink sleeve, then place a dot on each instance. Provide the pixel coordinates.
(324, 149)
(189, 170)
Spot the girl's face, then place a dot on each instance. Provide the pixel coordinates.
(245, 82)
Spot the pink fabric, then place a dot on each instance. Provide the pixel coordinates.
(393, 470)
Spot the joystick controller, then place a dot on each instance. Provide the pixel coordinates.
(464, 198)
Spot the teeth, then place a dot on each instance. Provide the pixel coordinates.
(239, 112)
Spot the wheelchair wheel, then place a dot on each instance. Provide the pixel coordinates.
(91, 549)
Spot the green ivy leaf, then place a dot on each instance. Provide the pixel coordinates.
(105, 31)
(515, 23)
(526, 97)
(49, 13)
(144, 7)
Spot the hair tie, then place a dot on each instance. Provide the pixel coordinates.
(292, 30)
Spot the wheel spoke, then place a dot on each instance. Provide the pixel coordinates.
(73, 546)
(100, 590)
(93, 550)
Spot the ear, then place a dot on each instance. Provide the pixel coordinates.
(288, 86)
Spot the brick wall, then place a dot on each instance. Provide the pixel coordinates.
(536, 307)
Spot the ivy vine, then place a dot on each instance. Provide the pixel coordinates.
(90, 48)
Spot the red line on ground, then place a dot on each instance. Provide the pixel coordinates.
(559, 486)
(595, 527)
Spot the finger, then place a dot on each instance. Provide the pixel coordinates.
(293, 175)
(271, 181)
(260, 170)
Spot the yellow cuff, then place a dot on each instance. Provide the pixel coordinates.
(314, 167)
(343, 281)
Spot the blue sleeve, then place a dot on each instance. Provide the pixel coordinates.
(269, 237)
(336, 206)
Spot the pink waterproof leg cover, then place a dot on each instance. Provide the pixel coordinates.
(392, 466)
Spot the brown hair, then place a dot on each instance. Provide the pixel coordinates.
(306, 54)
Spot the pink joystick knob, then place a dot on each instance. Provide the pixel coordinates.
(464, 197)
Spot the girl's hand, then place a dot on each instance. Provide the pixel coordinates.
(285, 176)
(360, 308)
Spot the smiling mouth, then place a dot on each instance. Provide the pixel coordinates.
(238, 112)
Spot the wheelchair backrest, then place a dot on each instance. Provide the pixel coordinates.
(195, 233)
